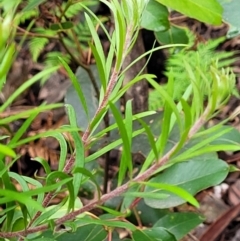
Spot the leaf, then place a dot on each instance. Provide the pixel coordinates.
(36, 46)
(153, 234)
(62, 26)
(179, 224)
(33, 4)
(175, 190)
(91, 232)
(209, 11)
(155, 17)
(19, 197)
(126, 160)
(79, 150)
(193, 176)
(76, 85)
(5, 150)
(173, 35)
(148, 215)
(72, 96)
(98, 53)
(24, 86)
(231, 16)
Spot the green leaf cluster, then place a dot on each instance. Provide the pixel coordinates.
(179, 153)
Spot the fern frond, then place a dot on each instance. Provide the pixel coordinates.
(23, 16)
(52, 58)
(77, 7)
(155, 102)
(36, 46)
(201, 59)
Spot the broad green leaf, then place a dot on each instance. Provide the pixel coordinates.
(89, 94)
(173, 35)
(230, 137)
(205, 11)
(111, 223)
(193, 176)
(155, 17)
(76, 84)
(90, 232)
(179, 224)
(62, 26)
(153, 234)
(231, 16)
(148, 215)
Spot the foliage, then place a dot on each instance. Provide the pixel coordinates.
(174, 140)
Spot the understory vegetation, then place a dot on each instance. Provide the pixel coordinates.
(166, 154)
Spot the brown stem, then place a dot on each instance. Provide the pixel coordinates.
(116, 192)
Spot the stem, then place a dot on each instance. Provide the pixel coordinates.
(116, 192)
(35, 35)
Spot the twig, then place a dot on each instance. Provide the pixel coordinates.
(116, 192)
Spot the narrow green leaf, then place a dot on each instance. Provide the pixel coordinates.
(20, 197)
(46, 134)
(22, 130)
(57, 175)
(176, 190)
(49, 211)
(44, 163)
(24, 114)
(126, 161)
(98, 52)
(110, 147)
(5, 150)
(150, 138)
(63, 150)
(25, 85)
(151, 195)
(79, 150)
(169, 101)
(101, 66)
(87, 173)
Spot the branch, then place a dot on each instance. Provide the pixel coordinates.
(118, 191)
